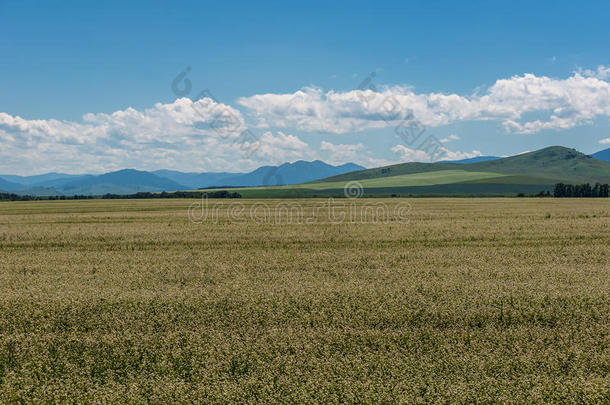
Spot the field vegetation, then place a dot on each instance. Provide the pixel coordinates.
(469, 300)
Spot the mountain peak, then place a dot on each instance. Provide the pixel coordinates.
(556, 153)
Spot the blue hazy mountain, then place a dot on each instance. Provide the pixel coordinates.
(38, 179)
(41, 184)
(37, 191)
(194, 180)
(129, 181)
(602, 155)
(287, 173)
(6, 185)
(122, 181)
(472, 160)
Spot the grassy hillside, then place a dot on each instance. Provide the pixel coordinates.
(528, 173)
(554, 163)
(416, 179)
(405, 184)
(394, 170)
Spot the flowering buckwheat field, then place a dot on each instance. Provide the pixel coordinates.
(458, 300)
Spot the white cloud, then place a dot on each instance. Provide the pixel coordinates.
(182, 135)
(568, 102)
(205, 135)
(411, 155)
(352, 153)
(450, 138)
(457, 155)
(602, 72)
(342, 153)
(407, 154)
(280, 148)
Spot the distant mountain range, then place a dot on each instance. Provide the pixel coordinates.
(287, 173)
(483, 174)
(48, 178)
(9, 185)
(129, 181)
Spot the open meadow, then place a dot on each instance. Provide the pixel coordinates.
(435, 299)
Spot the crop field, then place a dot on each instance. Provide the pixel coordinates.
(405, 180)
(442, 300)
(415, 179)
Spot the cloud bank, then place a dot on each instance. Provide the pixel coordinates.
(205, 135)
(561, 103)
(184, 135)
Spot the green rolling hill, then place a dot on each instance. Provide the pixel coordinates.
(527, 173)
(554, 163)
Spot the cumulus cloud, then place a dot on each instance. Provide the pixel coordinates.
(184, 135)
(602, 72)
(341, 153)
(280, 148)
(605, 141)
(411, 155)
(353, 153)
(565, 103)
(407, 154)
(450, 138)
(207, 135)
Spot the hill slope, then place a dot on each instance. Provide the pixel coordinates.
(555, 162)
(472, 160)
(528, 173)
(552, 164)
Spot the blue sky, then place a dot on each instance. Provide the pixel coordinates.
(492, 78)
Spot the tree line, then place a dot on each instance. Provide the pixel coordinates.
(164, 194)
(176, 194)
(581, 190)
(19, 197)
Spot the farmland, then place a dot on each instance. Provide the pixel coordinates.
(461, 300)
